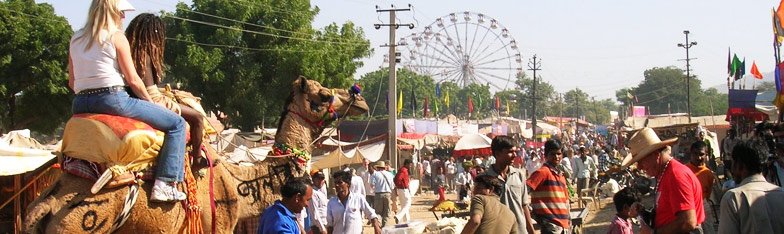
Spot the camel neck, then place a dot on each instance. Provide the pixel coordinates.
(295, 134)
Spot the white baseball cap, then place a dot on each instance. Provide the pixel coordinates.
(124, 5)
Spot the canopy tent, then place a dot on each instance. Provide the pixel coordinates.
(339, 157)
(472, 145)
(19, 153)
(25, 168)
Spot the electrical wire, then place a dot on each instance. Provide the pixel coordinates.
(260, 33)
(240, 47)
(263, 26)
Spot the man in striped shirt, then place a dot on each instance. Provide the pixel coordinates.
(549, 195)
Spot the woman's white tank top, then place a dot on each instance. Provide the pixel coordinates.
(97, 66)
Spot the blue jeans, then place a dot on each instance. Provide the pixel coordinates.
(172, 154)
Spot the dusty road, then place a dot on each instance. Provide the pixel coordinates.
(595, 222)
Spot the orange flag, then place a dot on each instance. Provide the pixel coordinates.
(755, 71)
(470, 105)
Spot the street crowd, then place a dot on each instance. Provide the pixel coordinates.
(518, 186)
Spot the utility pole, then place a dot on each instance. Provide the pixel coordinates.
(392, 93)
(577, 119)
(560, 111)
(534, 66)
(688, 70)
(595, 114)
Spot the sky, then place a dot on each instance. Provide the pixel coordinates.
(598, 46)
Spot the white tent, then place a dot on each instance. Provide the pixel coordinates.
(341, 156)
(19, 153)
(472, 145)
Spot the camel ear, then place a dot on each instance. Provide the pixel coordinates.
(302, 83)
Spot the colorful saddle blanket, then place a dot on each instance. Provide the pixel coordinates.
(120, 144)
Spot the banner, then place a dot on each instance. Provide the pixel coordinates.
(638, 111)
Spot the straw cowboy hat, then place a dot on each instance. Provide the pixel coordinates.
(643, 143)
(381, 164)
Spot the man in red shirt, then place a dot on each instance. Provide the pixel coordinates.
(549, 195)
(402, 179)
(678, 206)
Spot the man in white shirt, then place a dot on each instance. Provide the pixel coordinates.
(357, 184)
(585, 169)
(428, 175)
(449, 167)
(382, 181)
(755, 205)
(365, 172)
(345, 211)
(318, 205)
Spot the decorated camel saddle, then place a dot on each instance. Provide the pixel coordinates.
(115, 150)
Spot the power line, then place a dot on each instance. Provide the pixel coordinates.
(240, 47)
(256, 25)
(260, 33)
(262, 26)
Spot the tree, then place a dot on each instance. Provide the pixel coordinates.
(766, 86)
(545, 96)
(33, 66)
(663, 91)
(593, 111)
(244, 67)
(375, 88)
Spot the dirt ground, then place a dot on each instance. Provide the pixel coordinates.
(597, 222)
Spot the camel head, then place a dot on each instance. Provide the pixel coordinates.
(320, 106)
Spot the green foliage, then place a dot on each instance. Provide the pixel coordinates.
(766, 86)
(415, 88)
(375, 86)
(248, 76)
(546, 97)
(33, 66)
(664, 91)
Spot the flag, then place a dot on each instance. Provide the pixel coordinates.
(743, 67)
(779, 100)
(755, 71)
(400, 102)
(438, 90)
(497, 103)
(777, 79)
(508, 112)
(780, 15)
(446, 100)
(778, 31)
(435, 107)
(414, 106)
(470, 105)
(729, 62)
(735, 67)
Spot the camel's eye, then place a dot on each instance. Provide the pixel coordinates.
(325, 98)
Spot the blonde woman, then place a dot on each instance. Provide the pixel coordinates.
(100, 67)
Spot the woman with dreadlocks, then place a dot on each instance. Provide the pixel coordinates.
(147, 36)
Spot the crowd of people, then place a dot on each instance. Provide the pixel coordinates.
(522, 187)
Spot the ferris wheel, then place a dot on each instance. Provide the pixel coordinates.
(464, 48)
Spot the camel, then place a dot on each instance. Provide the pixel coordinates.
(240, 192)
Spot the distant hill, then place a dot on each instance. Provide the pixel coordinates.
(722, 88)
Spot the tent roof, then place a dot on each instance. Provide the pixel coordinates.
(350, 155)
(19, 153)
(670, 120)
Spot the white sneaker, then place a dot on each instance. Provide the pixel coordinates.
(166, 192)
